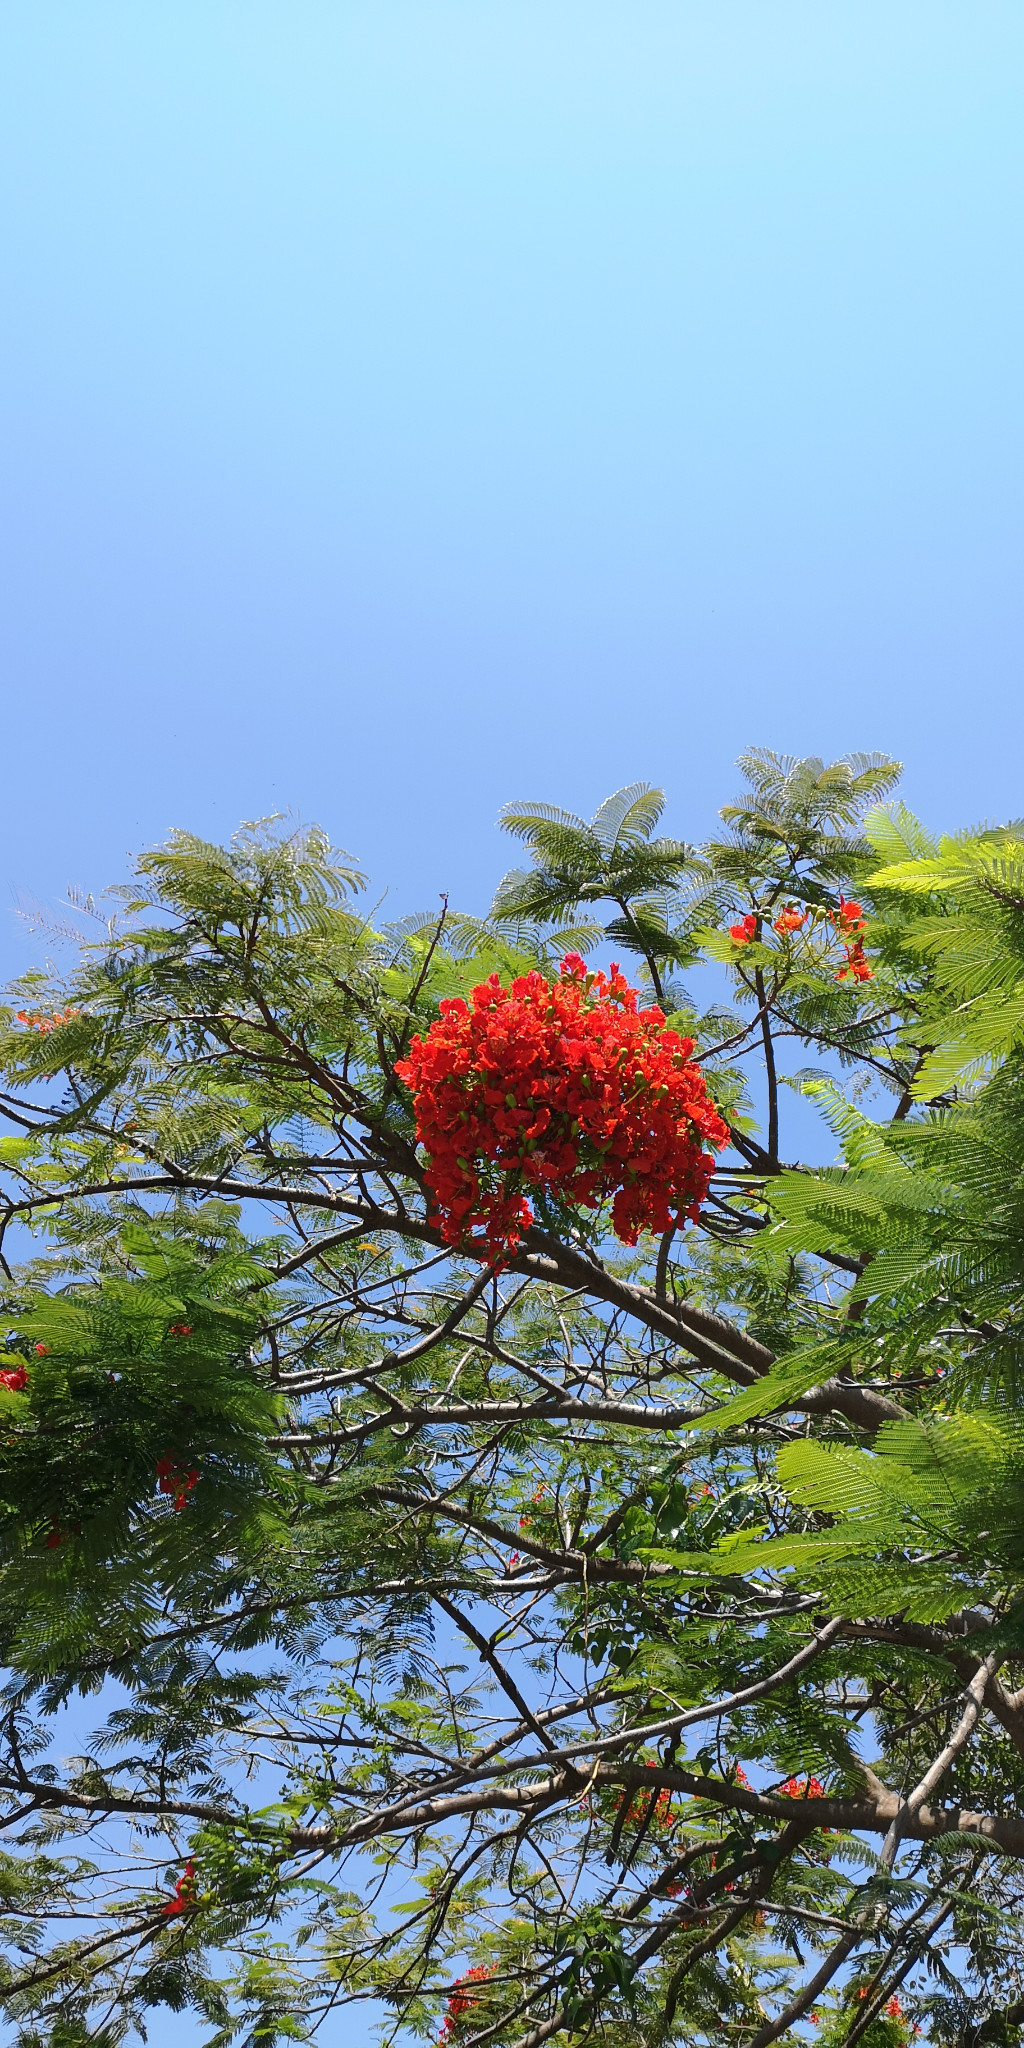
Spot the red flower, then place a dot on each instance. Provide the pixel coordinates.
(567, 1087)
(789, 919)
(173, 1478)
(742, 933)
(894, 2010)
(56, 1535)
(41, 1350)
(184, 1893)
(856, 964)
(181, 1330)
(637, 1807)
(460, 2003)
(849, 916)
(16, 1379)
(792, 1789)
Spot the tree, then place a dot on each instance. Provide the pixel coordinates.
(550, 1636)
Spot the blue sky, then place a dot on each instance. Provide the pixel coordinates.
(417, 404)
(412, 405)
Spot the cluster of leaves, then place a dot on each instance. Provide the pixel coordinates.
(622, 1648)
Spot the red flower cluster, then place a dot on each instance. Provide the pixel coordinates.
(184, 1893)
(16, 1379)
(793, 1789)
(856, 964)
(535, 1500)
(181, 1330)
(637, 1806)
(44, 1022)
(564, 1086)
(849, 922)
(173, 1478)
(460, 2003)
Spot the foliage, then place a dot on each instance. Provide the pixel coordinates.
(616, 1643)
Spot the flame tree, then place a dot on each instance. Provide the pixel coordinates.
(525, 1551)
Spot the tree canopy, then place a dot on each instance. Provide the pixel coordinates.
(542, 1636)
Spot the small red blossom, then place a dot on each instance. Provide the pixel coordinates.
(742, 933)
(184, 1893)
(44, 1021)
(566, 1089)
(856, 964)
(789, 919)
(637, 1807)
(56, 1535)
(793, 1789)
(460, 2003)
(894, 2010)
(41, 1350)
(535, 1499)
(849, 916)
(740, 1777)
(173, 1478)
(181, 1330)
(16, 1379)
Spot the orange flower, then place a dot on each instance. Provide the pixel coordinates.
(43, 1022)
(742, 933)
(789, 919)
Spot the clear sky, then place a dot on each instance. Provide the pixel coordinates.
(410, 405)
(415, 404)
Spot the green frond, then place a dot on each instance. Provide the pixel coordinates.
(863, 1140)
(893, 832)
(524, 821)
(630, 814)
